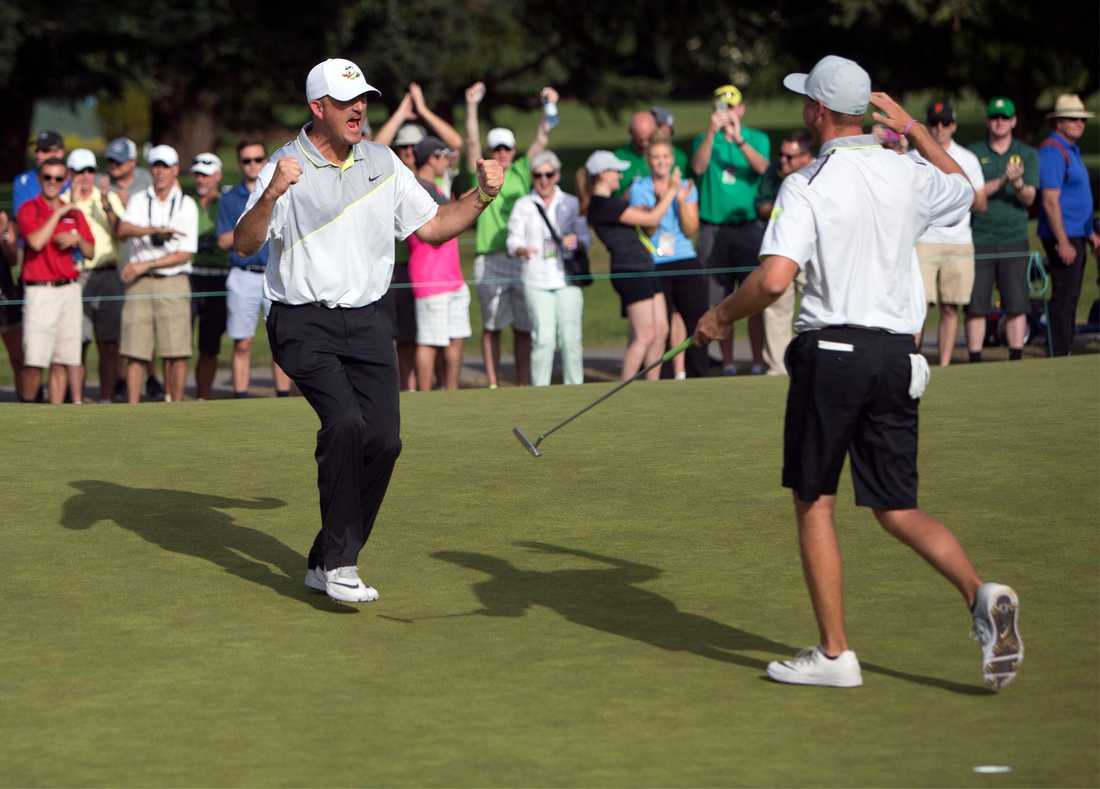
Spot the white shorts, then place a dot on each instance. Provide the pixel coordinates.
(53, 322)
(244, 303)
(443, 317)
(499, 281)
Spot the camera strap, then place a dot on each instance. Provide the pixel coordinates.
(171, 210)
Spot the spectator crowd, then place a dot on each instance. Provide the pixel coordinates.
(120, 255)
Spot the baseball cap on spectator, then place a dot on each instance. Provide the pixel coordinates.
(1069, 106)
(49, 139)
(999, 105)
(840, 84)
(664, 117)
(500, 138)
(429, 147)
(207, 164)
(601, 161)
(729, 94)
(409, 134)
(940, 111)
(339, 78)
(81, 159)
(121, 149)
(165, 154)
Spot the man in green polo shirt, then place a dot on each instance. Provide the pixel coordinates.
(209, 267)
(642, 126)
(1001, 249)
(731, 160)
(498, 277)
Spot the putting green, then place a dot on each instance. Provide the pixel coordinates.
(598, 616)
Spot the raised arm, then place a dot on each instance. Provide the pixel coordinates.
(443, 130)
(689, 212)
(453, 218)
(891, 115)
(542, 132)
(700, 160)
(474, 94)
(388, 132)
(757, 161)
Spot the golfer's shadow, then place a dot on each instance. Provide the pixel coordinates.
(608, 599)
(195, 524)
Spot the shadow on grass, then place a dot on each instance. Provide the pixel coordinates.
(610, 600)
(194, 524)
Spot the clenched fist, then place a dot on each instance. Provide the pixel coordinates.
(490, 176)
(287, 173)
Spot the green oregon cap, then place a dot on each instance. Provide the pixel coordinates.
(999, 105)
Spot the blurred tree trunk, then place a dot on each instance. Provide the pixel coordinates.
(15, 132)
(186, 120)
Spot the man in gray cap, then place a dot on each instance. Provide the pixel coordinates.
(850, 221)
(123, 176)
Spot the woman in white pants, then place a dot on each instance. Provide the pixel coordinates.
(556, 306)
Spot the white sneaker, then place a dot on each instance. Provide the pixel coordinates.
(343, 584)
(315, 579)
(995, 610)
(729, 369)
(681, 376)
(811, 666)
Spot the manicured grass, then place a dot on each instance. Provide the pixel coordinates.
(598, 616)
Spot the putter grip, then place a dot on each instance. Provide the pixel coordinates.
(678, 349)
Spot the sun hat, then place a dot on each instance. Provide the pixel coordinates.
(1069, 106)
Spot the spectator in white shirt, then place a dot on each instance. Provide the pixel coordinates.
(539, 221)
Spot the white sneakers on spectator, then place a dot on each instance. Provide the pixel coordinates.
(995, 610)
(341, 584)
(812, 666)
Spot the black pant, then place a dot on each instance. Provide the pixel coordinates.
(687, 295)
(1065, 282)
(344, 364)
(209, 311)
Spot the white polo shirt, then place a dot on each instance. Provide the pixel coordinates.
(332, 233)
(960, 233)
(850, 221)
(178, 212)
(526, 228)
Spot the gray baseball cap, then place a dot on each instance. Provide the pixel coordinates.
(121, 149)
(601, 161)
(838, 83)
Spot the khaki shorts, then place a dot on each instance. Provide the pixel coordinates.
(499, 281)
(52, 324)
(953, 266)
(157, 308)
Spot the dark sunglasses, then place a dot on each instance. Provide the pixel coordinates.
(547, 176)
(254, 160)
(86, 170)
(57, 179)
(933, 124)
(1000, 117)
(789, 155)
(502, 148)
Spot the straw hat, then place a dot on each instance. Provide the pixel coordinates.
(1069, 106)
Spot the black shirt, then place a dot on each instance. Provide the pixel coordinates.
(627, 251)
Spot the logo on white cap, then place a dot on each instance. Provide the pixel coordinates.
(339, 78)
(838, 83)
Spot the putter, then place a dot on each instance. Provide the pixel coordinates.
(533, 447)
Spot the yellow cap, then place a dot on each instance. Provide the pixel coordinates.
(729, 94)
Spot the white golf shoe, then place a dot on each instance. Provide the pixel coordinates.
(344, 584)
(315, 579)
(812, 666)
(995, 610)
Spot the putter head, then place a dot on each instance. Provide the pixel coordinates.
(526, 442)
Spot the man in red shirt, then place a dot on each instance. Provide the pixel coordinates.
(56, 238)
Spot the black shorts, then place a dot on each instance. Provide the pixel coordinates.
(851, 400)
(209, 311)
(635, 286)
(1007, 265)
(729, 246)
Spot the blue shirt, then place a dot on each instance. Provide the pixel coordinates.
(24, 189)
(230, 208)
(1076, 197)
(641, 193)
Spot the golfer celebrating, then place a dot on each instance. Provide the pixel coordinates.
(850, 220)
(331, 206)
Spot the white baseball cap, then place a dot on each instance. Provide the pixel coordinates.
(81, 159)
(339, 78)
(165, 154)
(409, 134)
(601, 161)
(498, 137)
(206, 163)
(838, 83)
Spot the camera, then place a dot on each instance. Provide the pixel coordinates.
(157, 239)
(207, 244)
